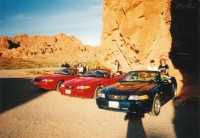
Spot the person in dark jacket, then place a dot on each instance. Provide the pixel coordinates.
(65, 65)
(163, 67)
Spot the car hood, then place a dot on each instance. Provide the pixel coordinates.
(50, 76)
(82, 81)
(129, 88)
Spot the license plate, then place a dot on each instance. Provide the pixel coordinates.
(113, 104)
(68, 91)
(35, 83)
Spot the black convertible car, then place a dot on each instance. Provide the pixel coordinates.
(138, 91)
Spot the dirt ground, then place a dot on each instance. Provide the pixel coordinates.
(26, 112)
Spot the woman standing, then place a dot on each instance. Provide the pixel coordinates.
(163, 67)
(117, 67)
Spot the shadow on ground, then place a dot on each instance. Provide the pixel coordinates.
(16, 91)
(135, 126)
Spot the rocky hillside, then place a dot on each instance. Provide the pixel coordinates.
(153, 29)
(135, 29)
(41, 48)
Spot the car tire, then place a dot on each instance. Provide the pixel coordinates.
(156, 106)
(58, 85)
(100, 107)
(96, 92)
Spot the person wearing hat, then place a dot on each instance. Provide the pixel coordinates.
(152, 66)
(137, 65)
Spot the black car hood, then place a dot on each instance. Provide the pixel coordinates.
(129, 87)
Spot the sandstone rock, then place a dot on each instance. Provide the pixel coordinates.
(49, 48)
(132, 30)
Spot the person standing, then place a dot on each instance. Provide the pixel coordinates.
(152, 66)
(117, 68)
(85, 67)
(163, 67)
(137, 65)
(65, 65)
(80, 68)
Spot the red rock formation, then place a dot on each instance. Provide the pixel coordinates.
(145, 30)
(4, 43)
(49, 48)
(137, 29)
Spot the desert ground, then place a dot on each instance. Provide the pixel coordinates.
(26, 112)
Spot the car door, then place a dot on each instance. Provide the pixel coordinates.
(111, 80)
(166, 88)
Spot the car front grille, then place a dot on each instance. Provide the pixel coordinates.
(117, 97)
(69, 87)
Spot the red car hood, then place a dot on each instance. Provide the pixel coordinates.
(82, 81)
(51, 76)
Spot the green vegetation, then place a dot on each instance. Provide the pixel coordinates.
(16, 63)
(12, 63)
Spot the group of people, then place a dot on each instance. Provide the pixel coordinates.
(163, 67)
(117, 68)
(81, 67)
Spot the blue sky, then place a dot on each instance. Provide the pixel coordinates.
(80, 18)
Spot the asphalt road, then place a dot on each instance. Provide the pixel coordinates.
(27, 112)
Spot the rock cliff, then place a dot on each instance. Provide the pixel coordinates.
(47, 48)
(153, 29)
(135, 29)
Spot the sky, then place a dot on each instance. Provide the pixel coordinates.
(79, 18)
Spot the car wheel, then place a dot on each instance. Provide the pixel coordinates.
(58, 85)
(97, 91)
(155, 111)
(100, 107)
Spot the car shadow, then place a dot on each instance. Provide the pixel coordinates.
(16, 91)
(135, 126)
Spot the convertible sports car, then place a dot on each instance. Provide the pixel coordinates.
(53, 81)
(138, 92)
(90, 84)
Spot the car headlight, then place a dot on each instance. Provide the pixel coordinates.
(137, 97)
(83, 87)
(47, 80)
(62, 85)
(102, 95)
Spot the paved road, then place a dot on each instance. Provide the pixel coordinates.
(27, 112)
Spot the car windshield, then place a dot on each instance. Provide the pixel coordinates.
(99, 73)
(64, 71)
(141, 76)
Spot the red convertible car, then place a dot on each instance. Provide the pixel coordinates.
(90, 84)
(53, 81)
